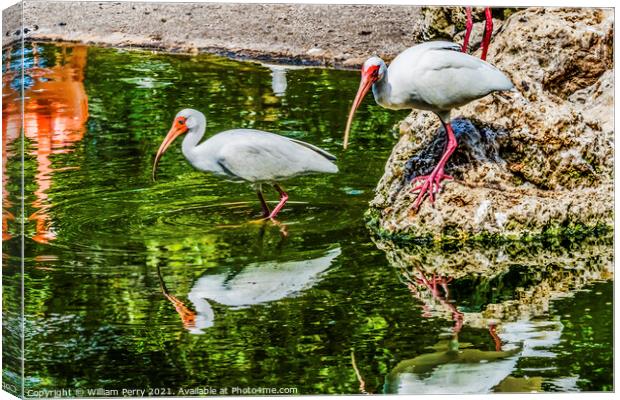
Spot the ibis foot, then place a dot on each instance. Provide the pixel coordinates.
(283, 228)
(432, 182)
(431, 186)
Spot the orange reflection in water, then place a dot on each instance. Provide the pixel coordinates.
(11, 129)
(188, 316)
(55, 115)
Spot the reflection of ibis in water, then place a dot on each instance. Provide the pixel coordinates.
(246, 155)
(257, 283)
(278, 80)
(278, 77)
(456, 368)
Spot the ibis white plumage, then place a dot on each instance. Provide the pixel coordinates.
(434, 76)
(246, 155)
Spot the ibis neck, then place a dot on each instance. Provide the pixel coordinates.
(192, 138)
(204, 312)
(382, 90)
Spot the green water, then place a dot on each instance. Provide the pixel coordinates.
(131, 284)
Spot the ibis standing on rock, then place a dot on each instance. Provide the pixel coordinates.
(432, 76)
(247, 155)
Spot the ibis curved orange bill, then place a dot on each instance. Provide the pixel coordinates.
(178, 128)
(368, 78)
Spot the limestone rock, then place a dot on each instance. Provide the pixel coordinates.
(442, 22)
(528, 160)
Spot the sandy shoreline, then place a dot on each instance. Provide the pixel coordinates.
(329, 35)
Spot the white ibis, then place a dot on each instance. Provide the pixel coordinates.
(433, 76)
(246, 155)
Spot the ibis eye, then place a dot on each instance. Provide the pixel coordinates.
(181, 121)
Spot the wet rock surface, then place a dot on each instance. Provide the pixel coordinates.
(530, 161)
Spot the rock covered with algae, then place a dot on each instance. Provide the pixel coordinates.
(536, 160)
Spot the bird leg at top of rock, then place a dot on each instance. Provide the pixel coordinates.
(488, 31)
(468, 26)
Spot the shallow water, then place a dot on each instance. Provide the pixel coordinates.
(167, 285)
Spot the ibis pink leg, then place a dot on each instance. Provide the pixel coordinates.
(431, 284)
(432, 182)
(283, 199)
(488, 31)
(263, 203)
(496, 338)
(468, 25)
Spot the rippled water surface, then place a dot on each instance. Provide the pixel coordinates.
(131, 283)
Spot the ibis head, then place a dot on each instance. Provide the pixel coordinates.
(373, 70)
(184, 121)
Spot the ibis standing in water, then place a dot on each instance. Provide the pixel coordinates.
(247, 155)
(432, 76)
